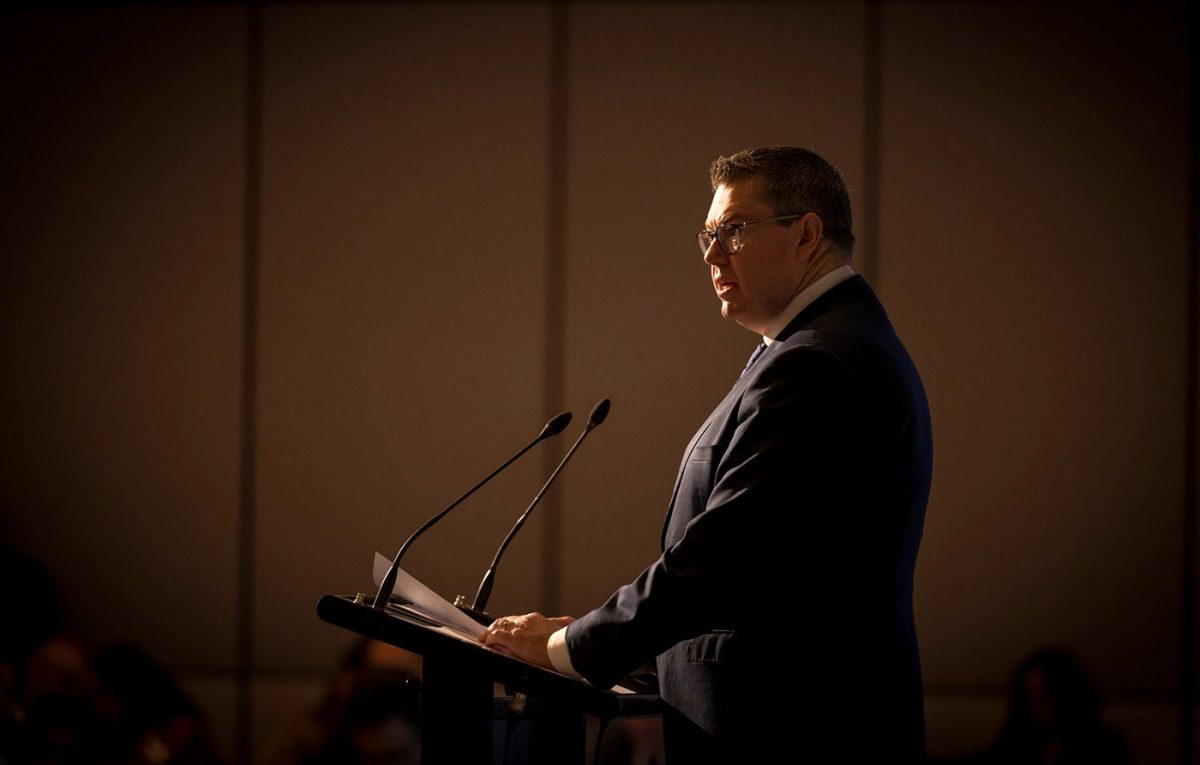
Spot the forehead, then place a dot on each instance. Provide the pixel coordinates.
(738, 199)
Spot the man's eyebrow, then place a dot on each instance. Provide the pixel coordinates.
(728, 216)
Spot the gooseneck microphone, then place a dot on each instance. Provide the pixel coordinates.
(478, 609)
(555, 426)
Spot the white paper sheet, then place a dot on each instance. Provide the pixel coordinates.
(426, 600)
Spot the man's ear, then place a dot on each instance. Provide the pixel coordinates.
(811, 231)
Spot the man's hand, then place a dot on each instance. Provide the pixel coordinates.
(525, 636)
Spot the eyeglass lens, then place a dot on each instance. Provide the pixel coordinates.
(726, 236)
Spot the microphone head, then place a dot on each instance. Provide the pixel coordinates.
(599, 412)
(557, 424)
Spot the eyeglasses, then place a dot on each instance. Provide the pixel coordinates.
(729, 235)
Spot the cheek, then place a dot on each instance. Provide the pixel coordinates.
(782, 281)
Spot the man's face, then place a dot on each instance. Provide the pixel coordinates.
(755, 283)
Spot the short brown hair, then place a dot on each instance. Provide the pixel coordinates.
(796, 181)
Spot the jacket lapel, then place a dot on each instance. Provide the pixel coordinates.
(848, 291)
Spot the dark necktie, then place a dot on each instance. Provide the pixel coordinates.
(753, 358)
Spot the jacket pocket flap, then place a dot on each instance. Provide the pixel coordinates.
(711, 647)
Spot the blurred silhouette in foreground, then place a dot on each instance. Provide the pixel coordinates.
(63, 704)
(370, 714)
(1054, 717)
(120, 708)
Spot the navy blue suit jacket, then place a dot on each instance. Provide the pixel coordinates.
(780, 611)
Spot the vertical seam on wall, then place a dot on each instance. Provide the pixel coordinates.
(246, 505)
(1187, 652)
(555, 317)
(868, 256)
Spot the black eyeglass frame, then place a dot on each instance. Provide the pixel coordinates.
(734, 232)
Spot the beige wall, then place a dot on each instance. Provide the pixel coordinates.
(1031, 249)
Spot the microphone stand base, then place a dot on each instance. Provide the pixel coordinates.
(483, 617)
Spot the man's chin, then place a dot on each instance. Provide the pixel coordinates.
(733, 314)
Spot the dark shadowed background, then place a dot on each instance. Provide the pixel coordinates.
(279, 283)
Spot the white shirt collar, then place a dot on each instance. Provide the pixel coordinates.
(805, 298)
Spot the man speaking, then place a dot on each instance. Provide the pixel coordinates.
(780, 611)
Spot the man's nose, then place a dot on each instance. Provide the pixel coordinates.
(715, 254)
